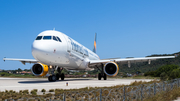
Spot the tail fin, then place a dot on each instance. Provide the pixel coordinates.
(94, 49)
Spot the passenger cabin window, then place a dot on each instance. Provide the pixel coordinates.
(54, 38)
(59, 39)
(47, 37)
(39, 38)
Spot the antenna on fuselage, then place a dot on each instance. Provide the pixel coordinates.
(53, 29)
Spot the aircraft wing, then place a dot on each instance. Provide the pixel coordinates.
(23, 61)
(129, 60)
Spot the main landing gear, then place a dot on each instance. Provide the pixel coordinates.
(56, 76)
(102, 74)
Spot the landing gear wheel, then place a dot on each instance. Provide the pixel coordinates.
(50, 78)
(57, 76)
(99, 76)
(53, 77)
(62, 76)
(105, 76)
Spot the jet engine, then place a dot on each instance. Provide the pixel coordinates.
(39, 69)
(111, 69)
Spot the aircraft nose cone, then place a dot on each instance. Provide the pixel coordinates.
(38, 49)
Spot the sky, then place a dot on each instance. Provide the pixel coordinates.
(125, 28)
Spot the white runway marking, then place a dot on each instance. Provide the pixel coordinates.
(1, 78)
(17, 84)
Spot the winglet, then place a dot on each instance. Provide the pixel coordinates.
(94, 49)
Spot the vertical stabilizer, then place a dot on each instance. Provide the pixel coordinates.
(94, 49)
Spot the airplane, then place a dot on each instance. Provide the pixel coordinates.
(54, 50)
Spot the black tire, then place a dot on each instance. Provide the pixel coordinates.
(57, 76)
(99, 76)
(53, 78)
(62, 76)
(105, 76)
(50, 78)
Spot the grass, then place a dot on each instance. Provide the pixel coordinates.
(165, 95)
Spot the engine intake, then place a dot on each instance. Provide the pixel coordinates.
(111, 69)
(39, 69)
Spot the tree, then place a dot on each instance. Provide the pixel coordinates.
(166, 68)
(19, 70)
(27, 70)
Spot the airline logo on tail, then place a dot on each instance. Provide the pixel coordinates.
(94, 49)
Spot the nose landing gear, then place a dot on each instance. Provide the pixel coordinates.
(52, 78)
(56, 76)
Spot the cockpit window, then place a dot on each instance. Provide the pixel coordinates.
(58, 39)
(54, 38)
(47, 37)
(39, 38)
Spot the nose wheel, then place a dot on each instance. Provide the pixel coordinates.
(52, 78)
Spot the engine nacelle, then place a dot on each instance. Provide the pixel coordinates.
(39, 69)
(111, 69)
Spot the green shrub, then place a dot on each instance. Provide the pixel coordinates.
(4, 74)
(33, 92)
(25, 92)
(150, 73)
(163, 76)
(166, 68)
(11, 91)
(164, 72)
(43, 90)
(51, 90)
(6, 91)
(20, 91)
(174, 74)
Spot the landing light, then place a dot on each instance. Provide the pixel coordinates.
(50, 66)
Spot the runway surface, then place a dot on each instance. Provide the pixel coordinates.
(17, 84)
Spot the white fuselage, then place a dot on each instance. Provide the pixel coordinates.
(65, 52)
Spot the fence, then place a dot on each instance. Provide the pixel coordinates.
(126, 93)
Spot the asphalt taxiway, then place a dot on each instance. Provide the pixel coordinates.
(17, 84)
